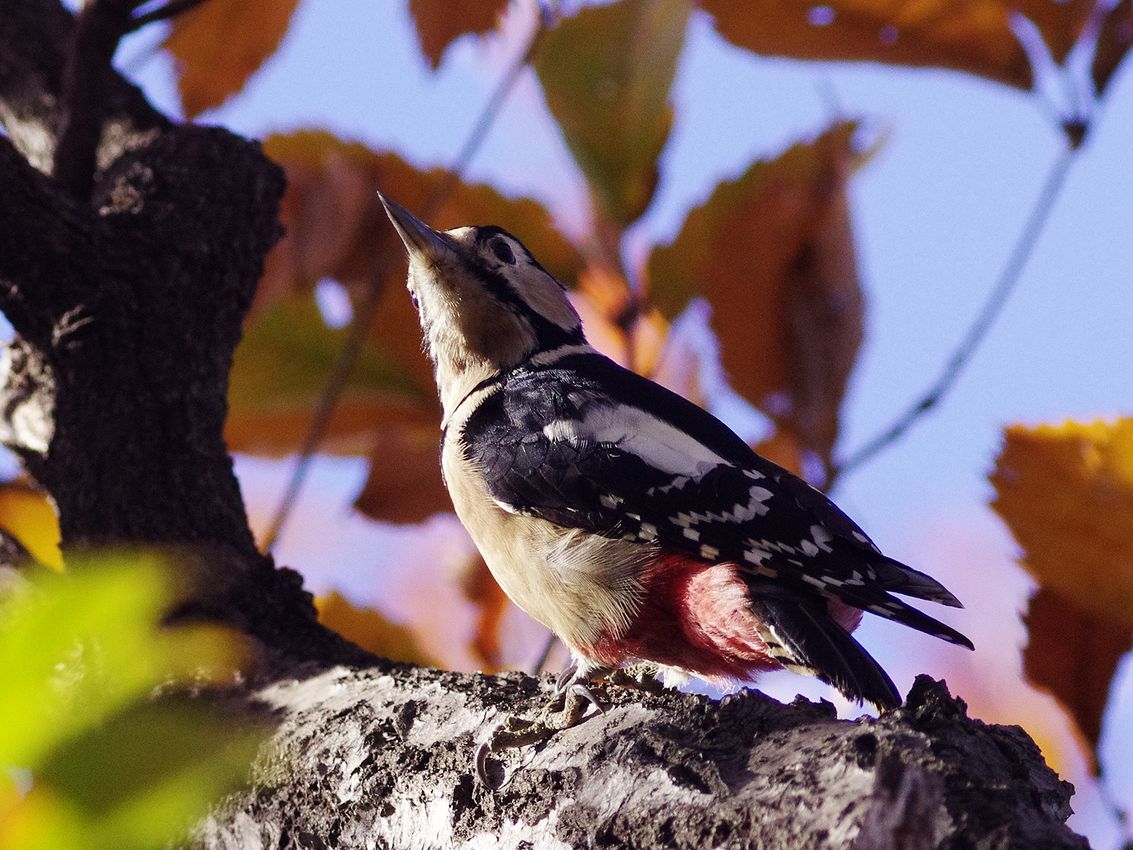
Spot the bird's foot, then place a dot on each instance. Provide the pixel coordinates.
(644, 676)
(567, 707)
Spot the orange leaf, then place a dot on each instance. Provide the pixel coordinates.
(1066, 493)
(370, 630)
(440, 22)
(480, 588)
(27, 515)
(606, 73)
(1073, 654)
(405, 476)
(1114, 41)
(218, 45)
(773, 254)
(974, 36)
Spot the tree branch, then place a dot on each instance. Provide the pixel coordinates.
(989, 312)
(45, 245)
(36, 37)
(386, 757)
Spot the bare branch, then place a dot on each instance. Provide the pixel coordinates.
(170, 10)
(977, 332)
(670, 770)
(367, 309)
(99, 27)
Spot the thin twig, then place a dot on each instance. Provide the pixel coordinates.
(993, 306)
(171, 9)
(365, 312)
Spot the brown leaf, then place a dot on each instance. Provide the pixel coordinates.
(480, 588)
(1073, 654)
(337, 229)
(280, 371)
(1066, 493)
(440, 22)
(371, 631)
(974, 36)
(773, 254)
(218, 45)
(1114, 41)
(606, 73)
(405, 483)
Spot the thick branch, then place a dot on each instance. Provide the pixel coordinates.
(45, 242)
(35, 40)
(385, 760)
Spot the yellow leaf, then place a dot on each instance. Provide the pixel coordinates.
(1066, 493)
(440, 22)
(370, 630)
(218, 45)
(28, 516)
(975, 36)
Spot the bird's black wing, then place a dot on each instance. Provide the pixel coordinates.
(586, 444)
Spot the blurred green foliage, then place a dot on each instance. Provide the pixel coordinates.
(101, 745)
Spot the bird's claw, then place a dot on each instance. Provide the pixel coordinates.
(567, 708)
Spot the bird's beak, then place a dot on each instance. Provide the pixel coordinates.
(421, 241)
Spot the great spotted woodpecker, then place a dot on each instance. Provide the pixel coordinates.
(632, 523)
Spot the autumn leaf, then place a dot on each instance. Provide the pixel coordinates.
(280, 371)
(218, 45)
(606, 74)
(440, 22)
(1073, 653)
(480, 588)
(975, 36)
(336, 227)
(370, 630)
(404, 484)
(773, 254)
(27, 515)
(1066, 493)
(1114, 41)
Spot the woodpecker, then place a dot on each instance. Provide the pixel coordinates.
(629, 521)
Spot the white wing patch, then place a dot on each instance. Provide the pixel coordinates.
(634, 431)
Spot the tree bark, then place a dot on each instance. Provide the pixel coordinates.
(130, 248)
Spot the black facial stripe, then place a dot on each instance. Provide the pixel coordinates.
(547, 333)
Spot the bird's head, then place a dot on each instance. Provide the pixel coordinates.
(486, 305)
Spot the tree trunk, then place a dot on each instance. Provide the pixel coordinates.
(130, 248)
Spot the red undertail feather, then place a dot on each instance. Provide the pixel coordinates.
(696, 617)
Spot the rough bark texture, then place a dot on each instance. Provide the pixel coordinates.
(130, 248)
(385, 757)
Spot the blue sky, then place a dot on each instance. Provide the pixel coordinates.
(936, 213)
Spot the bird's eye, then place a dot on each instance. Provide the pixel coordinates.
(503, 251)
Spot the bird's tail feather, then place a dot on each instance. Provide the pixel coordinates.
(900, 578)
(803, 637)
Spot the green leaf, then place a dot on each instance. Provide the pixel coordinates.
(606, 73)
(110, 767)
(145, 775)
